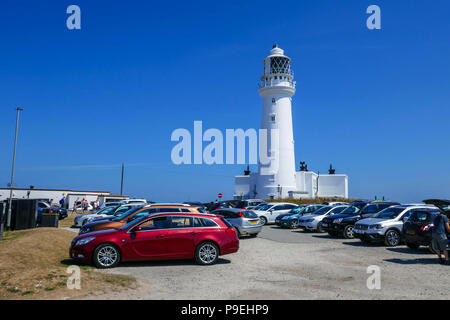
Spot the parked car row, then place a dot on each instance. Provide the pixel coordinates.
(387, 222)
(158, 231)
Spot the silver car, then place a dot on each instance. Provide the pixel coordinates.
(246, 222)
(387, 225)
(108, 212)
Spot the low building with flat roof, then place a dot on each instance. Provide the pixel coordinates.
(54, 195)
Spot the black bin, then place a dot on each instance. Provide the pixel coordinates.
(2, 211)
(49, 220)
(23, 213)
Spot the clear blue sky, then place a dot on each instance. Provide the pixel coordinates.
(373, 103)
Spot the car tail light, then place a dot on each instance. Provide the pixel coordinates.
(427, 227)
(231, 230)
(50, 211)
(241, 214)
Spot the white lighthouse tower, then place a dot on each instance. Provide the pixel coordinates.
(277, 87)
(277, 176)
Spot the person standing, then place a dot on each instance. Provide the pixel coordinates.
(439, 237)
(62, 202)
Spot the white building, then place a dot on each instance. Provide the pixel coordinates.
(55, 195)
(277, 177)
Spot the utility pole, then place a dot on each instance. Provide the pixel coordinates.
(121, 181)
(8, 223)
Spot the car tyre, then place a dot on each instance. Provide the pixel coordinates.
(293, 224)
(392, 238)
(412, 246)
(106, 255)
(263, 220)
(319, 227)
(207, 253)
(348, 232)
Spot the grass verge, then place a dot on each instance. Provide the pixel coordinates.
(69, 221)
(34, 265)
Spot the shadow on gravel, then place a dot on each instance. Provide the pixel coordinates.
(71, 262)
(324, 236)
(278, 228)
(244, 238)
(302, 231)
(358, 243)
(413, 261)
(133, 264)
(423, 251)
(165, 263)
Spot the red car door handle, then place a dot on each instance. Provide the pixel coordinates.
(194, 233)
(159, 236)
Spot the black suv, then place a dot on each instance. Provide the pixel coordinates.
(332, 224)
(345, 226)
(417, 229)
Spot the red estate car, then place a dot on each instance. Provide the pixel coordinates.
(158, 237)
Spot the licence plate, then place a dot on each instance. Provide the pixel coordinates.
(412, 232)
(253, 222)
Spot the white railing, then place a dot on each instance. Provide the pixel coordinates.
(276, 83)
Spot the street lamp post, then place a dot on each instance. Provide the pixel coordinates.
(121, 180)
(8, 223)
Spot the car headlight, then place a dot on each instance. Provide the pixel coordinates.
(338, 220)
(376, 226)
(84, 241)
(309, 220)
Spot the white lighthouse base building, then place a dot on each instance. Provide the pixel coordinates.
(309, 185)
(278, 177)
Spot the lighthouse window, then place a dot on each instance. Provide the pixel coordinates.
(279, 65)
(273, 118)
(273, 100)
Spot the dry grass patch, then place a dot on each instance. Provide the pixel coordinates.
(310, 201)
(69, 221)
(34, 264)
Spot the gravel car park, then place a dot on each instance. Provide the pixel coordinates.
(300, 266)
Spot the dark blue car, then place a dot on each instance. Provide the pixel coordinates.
(290, 219)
